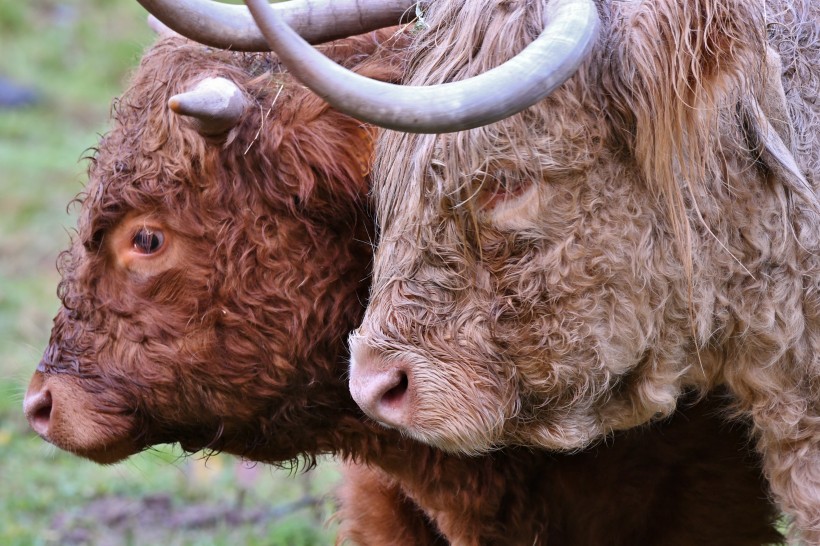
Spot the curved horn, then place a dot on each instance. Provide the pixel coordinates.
(232, 27)
(498, 93)
(215, 105)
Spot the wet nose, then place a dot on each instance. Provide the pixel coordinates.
(37, 406)
(382, 387)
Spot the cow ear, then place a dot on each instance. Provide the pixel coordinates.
(673, 72)
(337, 147)
(675, 66)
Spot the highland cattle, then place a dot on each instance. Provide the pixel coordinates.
(222, 255)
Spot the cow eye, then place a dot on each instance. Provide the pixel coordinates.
(494, 189)
(147, 241)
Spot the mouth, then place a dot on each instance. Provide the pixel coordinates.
(107, 454)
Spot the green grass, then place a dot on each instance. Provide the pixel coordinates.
(77, 55)
(51, 497)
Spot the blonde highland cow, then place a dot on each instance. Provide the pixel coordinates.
(651, 226)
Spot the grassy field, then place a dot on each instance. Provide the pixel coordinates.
(76, 56)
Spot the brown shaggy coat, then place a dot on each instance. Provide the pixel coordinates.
(650, 228)
(231, 336)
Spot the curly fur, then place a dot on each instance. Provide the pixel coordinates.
(670, 241)
(234, 338)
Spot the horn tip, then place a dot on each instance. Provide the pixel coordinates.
(215, 105)
(175, 104)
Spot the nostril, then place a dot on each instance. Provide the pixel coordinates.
(43, 412)
(38, 410)
(387, 397)
(394, 395)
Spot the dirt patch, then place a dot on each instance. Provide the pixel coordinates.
(163, 519)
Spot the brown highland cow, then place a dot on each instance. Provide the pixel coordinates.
(220, 261)
(649, 228)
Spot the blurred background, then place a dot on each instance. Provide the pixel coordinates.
(61, 64)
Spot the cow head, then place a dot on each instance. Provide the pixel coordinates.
(217, 265)
(565, 272)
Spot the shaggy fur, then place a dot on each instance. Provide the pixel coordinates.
(649, 228)
(232, 336)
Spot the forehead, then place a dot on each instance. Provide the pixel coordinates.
(120, 180)
(551, 141)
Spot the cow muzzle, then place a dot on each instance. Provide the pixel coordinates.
(61, 413)
(440, 403)
(382, 387)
